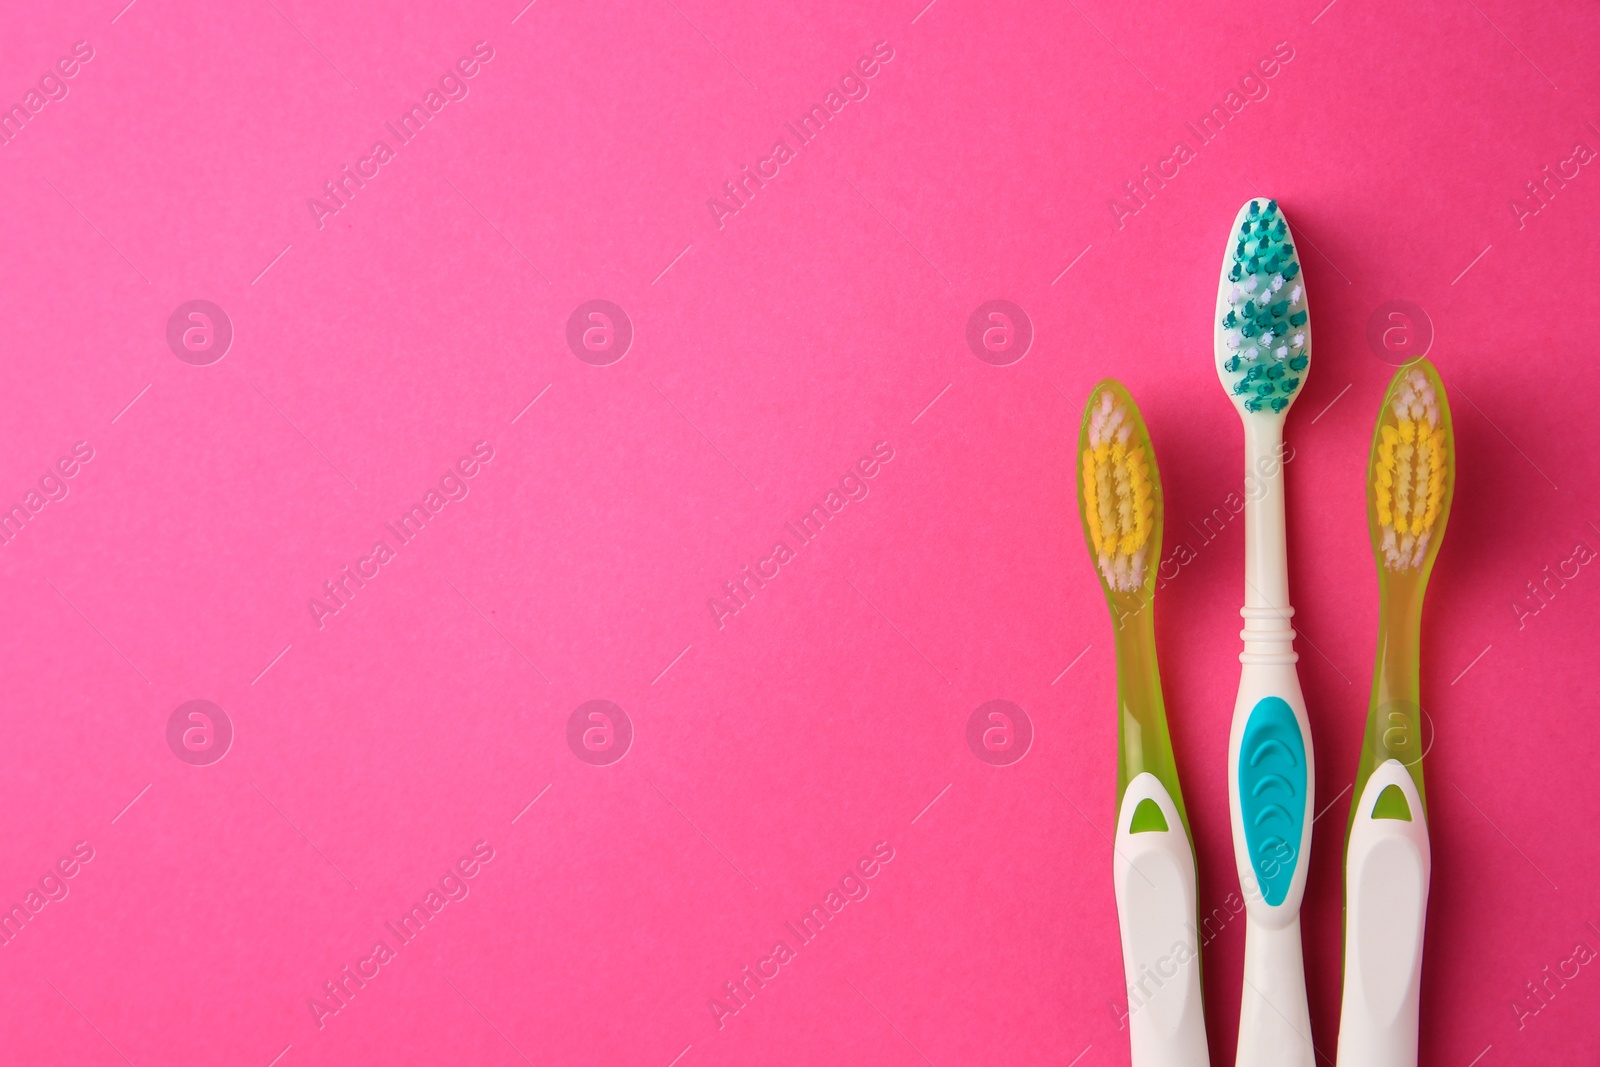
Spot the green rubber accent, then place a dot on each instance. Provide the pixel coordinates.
(1147, 817)
(1391, 804)
(1266, 318)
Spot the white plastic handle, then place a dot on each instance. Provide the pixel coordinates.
(1387, 869)
(1156, 906)
(1274, 1021)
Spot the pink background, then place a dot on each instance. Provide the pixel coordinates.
(770, 354)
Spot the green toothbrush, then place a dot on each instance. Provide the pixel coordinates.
(1119, 495)
(1410, 482)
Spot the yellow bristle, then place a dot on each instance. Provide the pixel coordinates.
(1436, 474)
(1119, 501)
(1105, 480)
(1091, 512)
(1410, 470)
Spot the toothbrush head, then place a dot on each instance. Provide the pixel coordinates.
(1411, 476)
(1263, 329)
(1119, 491)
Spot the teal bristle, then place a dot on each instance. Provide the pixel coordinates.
(1265, 340)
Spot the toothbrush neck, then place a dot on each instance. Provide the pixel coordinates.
(1266, 559)
(1139, 703)
(1268, 633)
(1399, 631)
(1144, 744)
(1395, 726)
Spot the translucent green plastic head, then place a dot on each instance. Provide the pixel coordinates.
(1119, 494)
(1410, 480)
(1119, 497)
(1411, 475)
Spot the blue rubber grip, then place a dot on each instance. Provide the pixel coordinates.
(1272, 794)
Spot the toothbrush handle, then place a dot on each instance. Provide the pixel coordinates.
(1271, 781)
(1274, 1022)
(1387, 871)
(1156, 909)
(1271, 774)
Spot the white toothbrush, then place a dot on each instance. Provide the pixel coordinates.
(1263, 350)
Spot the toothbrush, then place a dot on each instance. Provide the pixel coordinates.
(1387, 863)
(1263, 350)
(1119, 493)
